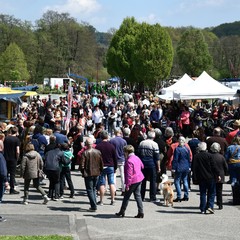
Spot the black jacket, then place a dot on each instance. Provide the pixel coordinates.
(3, 167)
(221, 165)
(204, 167)
(54, 159)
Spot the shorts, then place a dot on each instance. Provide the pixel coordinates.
(109, 172)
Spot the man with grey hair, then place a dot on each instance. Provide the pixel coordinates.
(205, 173)
(126, 136)
(222, 167)
(148, 151)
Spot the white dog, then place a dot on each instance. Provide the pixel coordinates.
(164, 179)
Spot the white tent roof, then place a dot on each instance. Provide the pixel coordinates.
(205, 87)
(182, 83)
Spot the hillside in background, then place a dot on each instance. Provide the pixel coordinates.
(227, 29)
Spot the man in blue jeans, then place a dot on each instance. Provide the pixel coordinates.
(91, 166)
(109, 157)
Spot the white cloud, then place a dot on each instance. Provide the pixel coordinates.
(151, 19)
(74, 7)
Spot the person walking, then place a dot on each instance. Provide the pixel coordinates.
(31, 165)
(222, 167)
(148, 151)
(133, 179)
(181, 165)
(54, 159)
(3, 172)
(66, 172)
(232, 157)
(91, 166)
(118, 142)
(205, 174)
(109, 157)
(11, 154)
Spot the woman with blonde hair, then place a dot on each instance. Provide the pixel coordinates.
(133, 179)
(31, 165)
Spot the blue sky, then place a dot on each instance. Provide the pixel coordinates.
(106, 14)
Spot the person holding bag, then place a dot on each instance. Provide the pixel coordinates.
(31, 168)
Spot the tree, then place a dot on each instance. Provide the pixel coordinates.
(120, 50)
(193, 54)
(140, 53)
(153, 55)
(13, 65)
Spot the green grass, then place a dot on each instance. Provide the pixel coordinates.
(52, 237)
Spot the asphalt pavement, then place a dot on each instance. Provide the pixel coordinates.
(71, 217)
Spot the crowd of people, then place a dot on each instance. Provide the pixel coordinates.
(137, 135)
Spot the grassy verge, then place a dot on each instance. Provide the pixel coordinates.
(55, 237)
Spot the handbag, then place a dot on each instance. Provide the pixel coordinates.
(40, 172)
(233, 160)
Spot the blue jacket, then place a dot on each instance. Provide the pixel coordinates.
(3, 167)
(181, 159)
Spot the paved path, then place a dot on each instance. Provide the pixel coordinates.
(71, 217)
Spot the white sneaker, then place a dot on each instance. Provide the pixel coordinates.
(25, 202)
(45, 199)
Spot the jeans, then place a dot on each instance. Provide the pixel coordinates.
(91, 184)
(35, 184)
(2, 187)
(66, 174)
(234, 172)
(207, 188)
(136, 190)
(150, 175)
(181, 176)
(109, 172)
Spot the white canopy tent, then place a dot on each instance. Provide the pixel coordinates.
(182, 83)
(205, 87)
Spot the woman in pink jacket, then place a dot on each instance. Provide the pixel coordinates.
(133, 179)
(185, 122)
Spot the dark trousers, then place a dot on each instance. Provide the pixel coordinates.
(66, 174)
(219, 188)
(35, 184)
(91, 184)
(11, 168)
(136, 190)
(54, 183)
(150, 175)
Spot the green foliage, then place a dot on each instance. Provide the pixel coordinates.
(227, 29)
(13, 65)
(153, 55)
(140, 53)
(120, 50)
(193, 54)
